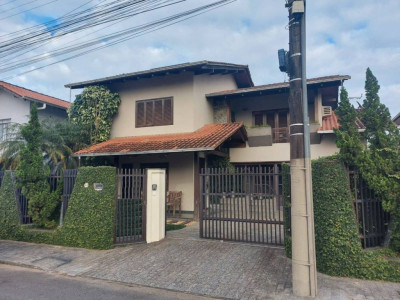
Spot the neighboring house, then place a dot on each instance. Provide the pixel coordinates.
(177, 117)
(396, 120)
(15, 103)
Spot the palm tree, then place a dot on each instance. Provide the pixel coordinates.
(59, 142)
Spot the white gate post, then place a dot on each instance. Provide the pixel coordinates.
(155, 207)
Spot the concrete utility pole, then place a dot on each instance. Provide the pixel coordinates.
(303, 239)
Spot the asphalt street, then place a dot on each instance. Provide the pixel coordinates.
(26, 283)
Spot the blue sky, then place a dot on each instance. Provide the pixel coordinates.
(343, 37)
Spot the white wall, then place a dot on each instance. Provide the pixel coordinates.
(14, 108)
(281, 151)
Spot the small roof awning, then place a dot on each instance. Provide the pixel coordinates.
(331, 122)
(207, 138)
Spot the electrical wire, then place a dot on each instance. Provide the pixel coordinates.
(127, 34)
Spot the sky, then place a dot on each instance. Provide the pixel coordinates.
(343, 37)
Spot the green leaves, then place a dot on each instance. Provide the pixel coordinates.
(94, 110)
(338, 247)
(32, 174)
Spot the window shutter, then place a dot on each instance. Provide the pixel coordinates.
(158, 113)
(168, 113)
(140, 114)
(149, 113)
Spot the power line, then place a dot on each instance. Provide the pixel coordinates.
(136, 31)
(47, 3)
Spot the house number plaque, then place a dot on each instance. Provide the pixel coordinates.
(98, 186)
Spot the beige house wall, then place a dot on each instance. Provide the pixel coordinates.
(180, 173)
(191, 110)
(281, 151)
(205, 84)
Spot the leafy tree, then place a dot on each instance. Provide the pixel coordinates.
(94, 110)
(32, 174)
(347, 136)
(380, 166)
(379, 163)
(10, 148)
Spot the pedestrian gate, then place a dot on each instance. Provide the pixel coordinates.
(130, 207)
(244, 204)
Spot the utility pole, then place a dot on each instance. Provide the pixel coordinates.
(302, 215)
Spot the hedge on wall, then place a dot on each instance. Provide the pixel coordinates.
(286, 208)
(9, 218)
(89, 221)
(338, 246)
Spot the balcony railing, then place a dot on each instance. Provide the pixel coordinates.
(280, 135)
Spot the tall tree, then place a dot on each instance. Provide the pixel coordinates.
(380, 164)
(32, 174)
(94, 110)
(347, 136)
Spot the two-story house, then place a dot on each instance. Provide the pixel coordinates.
(15, 103)
(178, 117)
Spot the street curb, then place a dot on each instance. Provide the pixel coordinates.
(22, 265)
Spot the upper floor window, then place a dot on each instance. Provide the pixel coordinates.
(278, 120)
(154, 112)
(4, 129)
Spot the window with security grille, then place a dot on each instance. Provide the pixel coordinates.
(154, 112)
(4, 129)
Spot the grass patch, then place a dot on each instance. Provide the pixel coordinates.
(175, 226)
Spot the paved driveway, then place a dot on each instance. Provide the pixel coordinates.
(183, 262)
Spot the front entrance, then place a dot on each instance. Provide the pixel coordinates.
(244, 204)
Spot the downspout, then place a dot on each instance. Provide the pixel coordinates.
(42, 107)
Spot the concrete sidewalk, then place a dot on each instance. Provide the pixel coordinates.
(183, 262)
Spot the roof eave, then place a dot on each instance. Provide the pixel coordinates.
(144, 152)
(47, 103)
(159, 71)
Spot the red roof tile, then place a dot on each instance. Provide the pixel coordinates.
(22, 92)
(331, 122)
(208, 137)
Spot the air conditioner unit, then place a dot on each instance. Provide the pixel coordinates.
(326, 111)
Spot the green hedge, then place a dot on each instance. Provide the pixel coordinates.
(338, 246)
(89, 221)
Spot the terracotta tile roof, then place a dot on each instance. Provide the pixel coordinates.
(281, 85)
(208, 137)
(331, 122)
(22, 92)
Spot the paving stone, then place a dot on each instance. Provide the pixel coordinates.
(184, 262)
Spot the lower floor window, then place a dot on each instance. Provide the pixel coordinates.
(4, 129)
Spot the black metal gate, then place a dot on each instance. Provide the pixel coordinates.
(244, 204)
(373, 221)
(131, 206)
(68, 187)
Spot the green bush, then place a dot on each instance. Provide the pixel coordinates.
(89, 221)
(9, 218)
(338, 246)
(286, 209)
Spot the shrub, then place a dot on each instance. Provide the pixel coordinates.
(338, 246)
(89, 221)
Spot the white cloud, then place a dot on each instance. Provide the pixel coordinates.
(343, 37)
